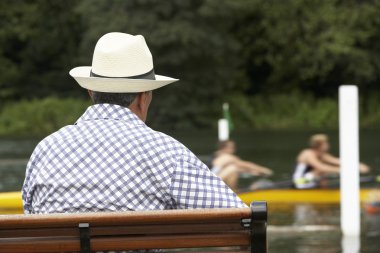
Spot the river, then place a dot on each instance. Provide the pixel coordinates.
(302, 228)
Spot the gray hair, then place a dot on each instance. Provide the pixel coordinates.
(122, 99)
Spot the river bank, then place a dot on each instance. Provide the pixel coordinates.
(40, 117)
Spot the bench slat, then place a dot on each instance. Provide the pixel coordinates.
(117, 231)
(124, 230)
(69, 244)
(126, 218)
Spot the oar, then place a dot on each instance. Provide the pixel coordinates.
(363, 179)
(328, 181)
(370, 179)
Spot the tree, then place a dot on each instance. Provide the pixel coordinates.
(38, 42)
(189, 40)
(308, 45)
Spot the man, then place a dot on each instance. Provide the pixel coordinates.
(315, 162)
(228, 166)
(109, 160)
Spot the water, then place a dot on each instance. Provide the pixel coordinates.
(298, 228)
(306, 228)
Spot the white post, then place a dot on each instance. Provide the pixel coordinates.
(350, 244)
(349, 155)
(223, 131)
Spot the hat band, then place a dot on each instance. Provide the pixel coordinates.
(148, 75)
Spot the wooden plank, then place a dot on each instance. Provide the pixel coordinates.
(175, 241)
(69, 244)
(123, 230)
(126, 218)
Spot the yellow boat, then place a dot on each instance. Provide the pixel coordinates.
(12, 200)
(316, 196)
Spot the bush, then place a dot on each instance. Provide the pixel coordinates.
(298, 111)
(39, 117)
(271, 112)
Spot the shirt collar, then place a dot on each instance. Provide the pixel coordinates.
(109, 111)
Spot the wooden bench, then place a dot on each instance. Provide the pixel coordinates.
(168, 229)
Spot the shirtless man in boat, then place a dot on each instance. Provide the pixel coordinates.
(315, 162)
(228, 166)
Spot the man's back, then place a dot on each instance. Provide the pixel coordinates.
(111, 161)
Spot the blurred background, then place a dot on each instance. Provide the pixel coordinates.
(277, 63)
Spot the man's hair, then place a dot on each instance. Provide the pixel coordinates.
(122, 99)
(317, 140)
(224, 144)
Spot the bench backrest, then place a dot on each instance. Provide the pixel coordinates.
(87, 232)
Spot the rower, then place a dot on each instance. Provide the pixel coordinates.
(229, 167)
(316, 162)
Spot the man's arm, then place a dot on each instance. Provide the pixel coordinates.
(243, 166)
(321, 167)
(328, 158)
(254, 168)
(30, 174)
(27, 186)
(193, 185)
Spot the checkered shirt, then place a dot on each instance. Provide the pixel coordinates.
(109, 160)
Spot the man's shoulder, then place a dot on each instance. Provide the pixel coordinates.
(307, 154)
(54, 137)
(170, 144)
(168, 141)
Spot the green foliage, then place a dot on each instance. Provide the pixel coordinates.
(246, 51)
(285, 111)
(298, 111)
(370, 113)
(310, 45)
(39, 117)
(275, 112)
(38, 46)
(189, 40)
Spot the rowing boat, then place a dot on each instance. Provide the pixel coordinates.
(316, 196)
(12, 200)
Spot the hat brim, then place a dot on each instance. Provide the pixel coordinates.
(117, 85)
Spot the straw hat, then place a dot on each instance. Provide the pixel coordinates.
(121, 63)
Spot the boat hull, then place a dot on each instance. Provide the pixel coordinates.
(317, 196)
(12, 200)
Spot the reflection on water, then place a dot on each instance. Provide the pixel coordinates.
(14, 156)
(305, 242)
(12, 172)
(350, 244)
(306, 228)
(300, 228)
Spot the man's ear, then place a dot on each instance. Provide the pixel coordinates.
(90, 93)
(142, 99)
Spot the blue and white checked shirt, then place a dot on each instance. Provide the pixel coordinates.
(111, 161)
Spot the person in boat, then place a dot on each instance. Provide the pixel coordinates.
(316, 162)
(110, 160)
(228, 166)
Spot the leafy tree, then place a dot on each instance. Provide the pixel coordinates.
(221, 50)
(189, 40)
(308, 45)
(38, 42)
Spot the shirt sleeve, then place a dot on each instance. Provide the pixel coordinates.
(193, 186)
(28, 186)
